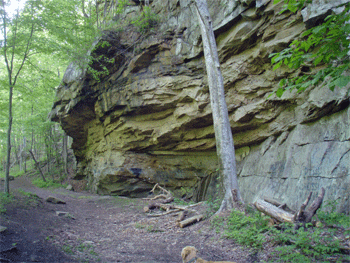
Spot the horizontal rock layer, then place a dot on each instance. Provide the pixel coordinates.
(150, 120)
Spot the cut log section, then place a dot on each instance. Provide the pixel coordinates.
(181, 216)
(191, 220)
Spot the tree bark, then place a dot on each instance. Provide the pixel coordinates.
(223, 134)
(9, 57)
(191, 220)
(299, 218)
(38, 166)
(65, 153)
(305, 216)
(8, 162)
(284, 206)
(275, 212)
(22, 155)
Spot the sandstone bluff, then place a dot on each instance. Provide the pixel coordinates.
(150, 120)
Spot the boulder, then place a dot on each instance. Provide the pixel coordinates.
(3, 229)
(70, 187)
(54, 200)
(65, 214)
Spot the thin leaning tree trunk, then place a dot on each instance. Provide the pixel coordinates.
(37, 165)
(223, 134)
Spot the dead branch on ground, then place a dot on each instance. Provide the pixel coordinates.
(162, 202)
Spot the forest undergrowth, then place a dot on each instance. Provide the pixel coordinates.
(326, 240)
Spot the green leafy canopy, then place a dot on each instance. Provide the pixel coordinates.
(321, 55)
(37, 43)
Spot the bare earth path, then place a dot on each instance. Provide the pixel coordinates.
(99, 229)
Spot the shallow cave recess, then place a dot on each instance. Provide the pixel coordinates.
(141, 2)
(108, 53)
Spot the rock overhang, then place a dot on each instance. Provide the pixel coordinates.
(152, 113)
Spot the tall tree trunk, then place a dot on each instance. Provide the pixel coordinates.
(83, 8)
(8, 163)
(9, 57)
(16, 145)
(223, 134)
(23, 155)
(65, 153)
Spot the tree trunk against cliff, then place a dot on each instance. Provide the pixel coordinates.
(223, 134)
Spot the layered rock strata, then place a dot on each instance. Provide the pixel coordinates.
(150, 121)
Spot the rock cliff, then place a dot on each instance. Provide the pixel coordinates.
(150, 120)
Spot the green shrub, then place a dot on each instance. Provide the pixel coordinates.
(330, 217)
(309, 244)
(4, 199)
(218, 223)
(15, 172)
(306, 244)
(49, 183)
(146, 20)
(248, 229)
(180, 201)
(25, 193)
(214, 205)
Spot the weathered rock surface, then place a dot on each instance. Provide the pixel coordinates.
(150, 120)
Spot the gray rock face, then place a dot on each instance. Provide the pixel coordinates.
(150, 120)
(314, 155)
(320, 9)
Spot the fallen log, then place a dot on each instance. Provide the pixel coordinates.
(165, 213)
(181, 216)
(273, 211)
(284, 206)
(299, 218)
(165, 207)
(191, 220)
(162, 201)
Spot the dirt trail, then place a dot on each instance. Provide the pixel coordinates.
(99, 229)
